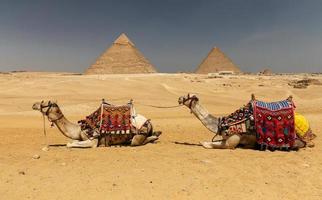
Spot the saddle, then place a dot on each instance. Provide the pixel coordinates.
(271, 122)
(110, 122)
(274, 123)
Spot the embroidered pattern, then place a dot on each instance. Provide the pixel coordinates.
(274, 123)
(109, 122)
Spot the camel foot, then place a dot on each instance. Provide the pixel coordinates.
(207, 145)
(82, 144)
(151, 139)
(156, 133)
(69, 145)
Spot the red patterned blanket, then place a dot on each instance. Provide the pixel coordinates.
(108, 119)
(274, 123)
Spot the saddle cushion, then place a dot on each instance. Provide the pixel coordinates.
(274, 123)
(116, 118)
(108, 119)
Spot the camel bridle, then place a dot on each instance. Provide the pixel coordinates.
(192, 99)
(49, 106)
(46, 113)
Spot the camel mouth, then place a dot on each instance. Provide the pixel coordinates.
(36, 106)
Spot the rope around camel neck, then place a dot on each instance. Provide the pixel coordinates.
(138, 103)
(45, 133)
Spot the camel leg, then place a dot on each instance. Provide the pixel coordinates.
(150, 139)
(142, 140)
(83, 144)
(138, 140)
(229, 143)
(298, 144)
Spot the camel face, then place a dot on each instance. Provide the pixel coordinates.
(39, 105)
(48, 108)
(187, 99)
(181, 100)
(36, 106)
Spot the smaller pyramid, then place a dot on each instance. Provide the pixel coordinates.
(121, 58)
(216, 61)
(266, 72)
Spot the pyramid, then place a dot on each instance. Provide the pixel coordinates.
(216, 61)
(121, 58)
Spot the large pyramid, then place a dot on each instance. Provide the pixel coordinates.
(216, 61)
(121, 58)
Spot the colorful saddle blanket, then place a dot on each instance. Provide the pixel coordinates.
(108, 119)
(274, 123)
(238, 122)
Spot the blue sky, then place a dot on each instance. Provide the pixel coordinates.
(48, 35)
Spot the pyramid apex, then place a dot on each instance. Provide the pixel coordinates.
(216, 48)
(123, 39)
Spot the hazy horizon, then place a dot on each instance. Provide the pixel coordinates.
(44, 35)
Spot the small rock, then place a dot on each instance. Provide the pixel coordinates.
(306, 165)
(36, 156)
(22, 173)
(46, 148)
(205, 161)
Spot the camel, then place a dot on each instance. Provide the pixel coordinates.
(221, 139)
(79, 137)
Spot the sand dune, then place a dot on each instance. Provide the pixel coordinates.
(168, 169)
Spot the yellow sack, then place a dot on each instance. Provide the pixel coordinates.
(302, 125)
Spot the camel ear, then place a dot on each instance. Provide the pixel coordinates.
(253, 97)
(290, 98)
(188, 95)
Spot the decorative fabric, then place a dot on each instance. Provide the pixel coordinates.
(238, 122)
(116, 119)
(274, 123)
(138, 121)
(108, 119)
(237, 128)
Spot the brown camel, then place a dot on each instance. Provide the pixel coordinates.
(81, 139)
(211, 123)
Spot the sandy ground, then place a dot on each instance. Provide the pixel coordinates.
(168, 169)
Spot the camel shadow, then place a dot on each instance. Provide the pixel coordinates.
(57, 145)
(186, 143)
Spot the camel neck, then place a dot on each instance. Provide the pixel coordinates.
(68, 128)
(208, 120)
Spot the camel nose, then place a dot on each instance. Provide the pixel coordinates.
(35, 106)
(180, 100)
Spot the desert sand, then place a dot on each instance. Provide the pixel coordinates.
(175, 167)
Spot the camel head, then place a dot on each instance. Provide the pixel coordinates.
(48, 108)
(188, 100)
